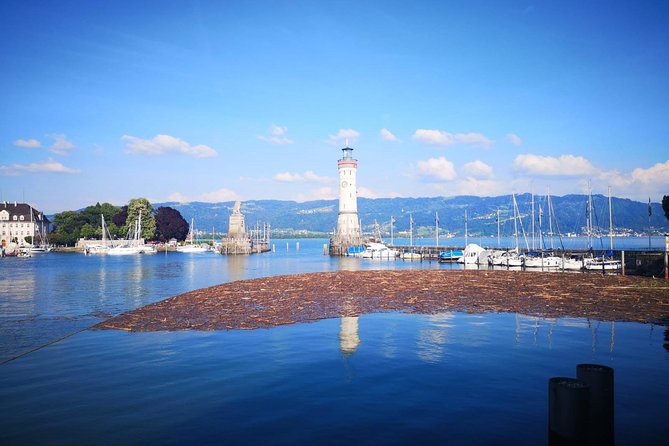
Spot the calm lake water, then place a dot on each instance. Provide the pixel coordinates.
(384, 378)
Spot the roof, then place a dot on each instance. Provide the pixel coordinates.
(22, 209)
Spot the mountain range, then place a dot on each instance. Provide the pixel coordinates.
(569, 214)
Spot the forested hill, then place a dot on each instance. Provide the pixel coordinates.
(570, 213)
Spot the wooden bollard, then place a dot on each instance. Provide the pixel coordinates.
(600, 380)
(568, 411)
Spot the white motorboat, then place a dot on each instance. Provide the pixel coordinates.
(411, 255)
(506, 258)
(375, 250)
(543, 261)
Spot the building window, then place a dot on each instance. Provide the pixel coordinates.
(14, 218)
(21, 218)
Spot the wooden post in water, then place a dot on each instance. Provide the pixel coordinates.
(568, 411)
(600, 416)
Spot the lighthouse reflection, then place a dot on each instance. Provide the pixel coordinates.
(349, 340)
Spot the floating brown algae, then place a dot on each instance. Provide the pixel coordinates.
(281, 300)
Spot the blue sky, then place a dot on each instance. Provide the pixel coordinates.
(216, 101)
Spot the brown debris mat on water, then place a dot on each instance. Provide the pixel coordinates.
(281, 300)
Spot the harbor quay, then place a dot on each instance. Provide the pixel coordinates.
(640, 262)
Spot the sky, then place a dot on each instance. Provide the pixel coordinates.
(231, 100)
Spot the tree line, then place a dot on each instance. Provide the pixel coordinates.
(159, 224)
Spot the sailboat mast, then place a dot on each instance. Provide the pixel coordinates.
(466, 228)
(610, 222)
(498, 238)
(392, 241)
(515, 220)
(550, 220)
(589, 219)
(541, 233)
(533, 246)
(436, 221)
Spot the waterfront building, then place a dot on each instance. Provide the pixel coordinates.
(348, 225)
(18, 221)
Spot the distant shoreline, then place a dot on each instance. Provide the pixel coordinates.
(282, 300)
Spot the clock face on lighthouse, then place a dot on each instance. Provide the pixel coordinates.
(344, 184)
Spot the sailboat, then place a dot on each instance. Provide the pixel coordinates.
(411, 254)
(605, 262)
(42, 242)
(188, 245)
(510, 258)
(135, 245)
(102, 247)
(543, 259)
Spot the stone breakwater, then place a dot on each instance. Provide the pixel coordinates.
(280, 300)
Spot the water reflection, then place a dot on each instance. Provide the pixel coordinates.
(237, 267)
(433, 337)
(349, 340)
(19, 292)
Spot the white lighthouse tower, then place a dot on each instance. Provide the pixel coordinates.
(348, 225)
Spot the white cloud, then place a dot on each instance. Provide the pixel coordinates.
(565, 165)
(479, 187)
(388, 135)
(439, 168)
(441, 138)
(476, 139)
(306, 177)
(277, 130)
(514, 139)
(163, 144)
(436, 137)
(367, 193)
(478, 169)
(657, 174)
(322, 193)
(343, 135)
(28, 143)
(277, 135)
(61, 145)
(48, 166)
(216, 196)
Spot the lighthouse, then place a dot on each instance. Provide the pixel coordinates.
(348, 225)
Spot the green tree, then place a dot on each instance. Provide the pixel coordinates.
(87, 231)
(68, 226)
(114, 230)
(665, 206)
(135, 206)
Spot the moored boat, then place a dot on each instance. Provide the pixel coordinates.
(453, 255)
(375, 250)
